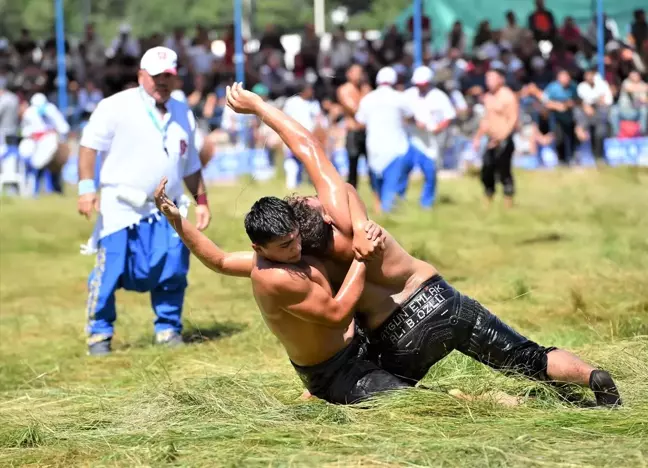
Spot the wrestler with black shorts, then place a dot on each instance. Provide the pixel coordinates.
(349, 95)
(414, 318)
(498, 124)
(314, 324)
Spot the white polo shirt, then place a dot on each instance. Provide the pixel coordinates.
(43, 119)
(132, 136)
(431, 110)
(591, 94)
(383, 112)
(307, 113)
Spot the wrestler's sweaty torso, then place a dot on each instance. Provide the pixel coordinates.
(389, 282)
(307, 343)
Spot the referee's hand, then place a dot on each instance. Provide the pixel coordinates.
(87, 203)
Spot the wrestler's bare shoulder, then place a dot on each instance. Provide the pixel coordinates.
(348, 89)
(277, 278)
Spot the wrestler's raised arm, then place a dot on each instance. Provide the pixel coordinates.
(330, 187)
(371, 243)
(213, 257)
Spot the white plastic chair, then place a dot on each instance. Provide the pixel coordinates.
(13, 172)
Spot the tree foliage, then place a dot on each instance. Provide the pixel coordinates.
(149, 16)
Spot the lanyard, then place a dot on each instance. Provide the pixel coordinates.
(154, 116)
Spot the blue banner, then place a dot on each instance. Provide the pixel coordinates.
(631, 151)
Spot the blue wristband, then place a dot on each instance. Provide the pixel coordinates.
(87, 186)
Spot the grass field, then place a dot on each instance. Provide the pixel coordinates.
(568, 267)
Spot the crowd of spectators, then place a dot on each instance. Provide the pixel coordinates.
(551, 66)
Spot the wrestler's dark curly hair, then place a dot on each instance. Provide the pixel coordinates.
(268, 219)
(316, 234)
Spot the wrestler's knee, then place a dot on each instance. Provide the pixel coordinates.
(530, 359)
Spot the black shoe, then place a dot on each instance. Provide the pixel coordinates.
(604, 389)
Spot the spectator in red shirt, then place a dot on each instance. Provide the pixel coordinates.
(542, 24)
(570, 34)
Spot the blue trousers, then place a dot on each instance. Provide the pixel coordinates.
(146, 257)
(414, 158)
(387, 184)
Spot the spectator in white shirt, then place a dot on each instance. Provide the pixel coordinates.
(433, 113)
(592, 116)
(385, 112)
(307, 111)
(124, 44)
(44, 130)
(144, 135)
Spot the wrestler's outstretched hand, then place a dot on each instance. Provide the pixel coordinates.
(164, 204)
(241, 100)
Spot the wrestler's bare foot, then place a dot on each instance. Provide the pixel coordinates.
(305, 396)
(508, 202)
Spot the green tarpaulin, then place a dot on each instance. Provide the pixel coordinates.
(443, 13)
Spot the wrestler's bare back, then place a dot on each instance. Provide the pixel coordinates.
(306, 341)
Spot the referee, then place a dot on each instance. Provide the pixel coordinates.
(143, 135)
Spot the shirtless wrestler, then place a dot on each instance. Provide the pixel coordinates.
(414, 317)
(349, 95)
(315, 326)
(498, 124)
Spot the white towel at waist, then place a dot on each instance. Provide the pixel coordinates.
(138, 200)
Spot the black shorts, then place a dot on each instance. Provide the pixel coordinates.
(348, 377)
(356, 143)
(436, 320)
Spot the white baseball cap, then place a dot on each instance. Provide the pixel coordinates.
(38, 100)
(159, 60)
(422, 75)
(386, 75)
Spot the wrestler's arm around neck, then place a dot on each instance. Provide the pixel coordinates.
(296, 293)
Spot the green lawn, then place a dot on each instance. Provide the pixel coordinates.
(567, 267)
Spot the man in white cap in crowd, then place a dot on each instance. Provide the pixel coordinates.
(44, 131)
(433, 113)
(307, 111)
(385, 112)
(143, 135)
